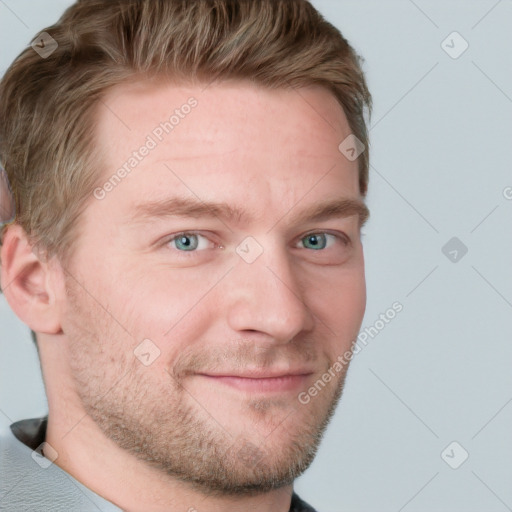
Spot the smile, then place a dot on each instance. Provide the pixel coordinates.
(282, 383)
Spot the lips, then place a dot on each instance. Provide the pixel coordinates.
(261, 381)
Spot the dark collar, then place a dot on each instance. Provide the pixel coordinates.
(31, 432)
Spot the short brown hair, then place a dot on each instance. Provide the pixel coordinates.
(47, 105)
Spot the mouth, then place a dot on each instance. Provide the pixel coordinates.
(261, 382)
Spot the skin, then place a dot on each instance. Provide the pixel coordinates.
(180, 435)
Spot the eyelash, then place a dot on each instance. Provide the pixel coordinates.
(345, 241)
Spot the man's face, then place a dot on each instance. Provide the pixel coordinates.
(239, 314)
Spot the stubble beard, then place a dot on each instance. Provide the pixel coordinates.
(157, 420)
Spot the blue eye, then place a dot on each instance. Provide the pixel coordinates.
(187, 242)
(318, 241)
(315, 241)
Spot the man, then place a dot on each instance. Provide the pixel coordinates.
(189, 180)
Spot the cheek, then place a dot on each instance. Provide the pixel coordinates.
(107, 301)
(340, 303)
(348, 303)
(355, 298)
(169, 307)
(351, 288)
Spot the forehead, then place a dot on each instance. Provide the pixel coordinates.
(252, 117)
(233, 139)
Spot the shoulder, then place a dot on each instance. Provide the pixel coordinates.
(29, 481)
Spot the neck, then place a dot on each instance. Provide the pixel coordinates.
(116, 475)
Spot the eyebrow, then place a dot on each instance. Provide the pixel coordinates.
(195, 208)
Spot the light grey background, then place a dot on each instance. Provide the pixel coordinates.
(441, 370)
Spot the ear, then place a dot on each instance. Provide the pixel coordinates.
(29, 282)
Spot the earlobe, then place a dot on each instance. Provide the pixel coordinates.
(27, 282)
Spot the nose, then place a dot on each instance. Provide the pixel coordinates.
(268, 297)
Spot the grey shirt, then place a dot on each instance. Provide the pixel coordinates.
(30, 482)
